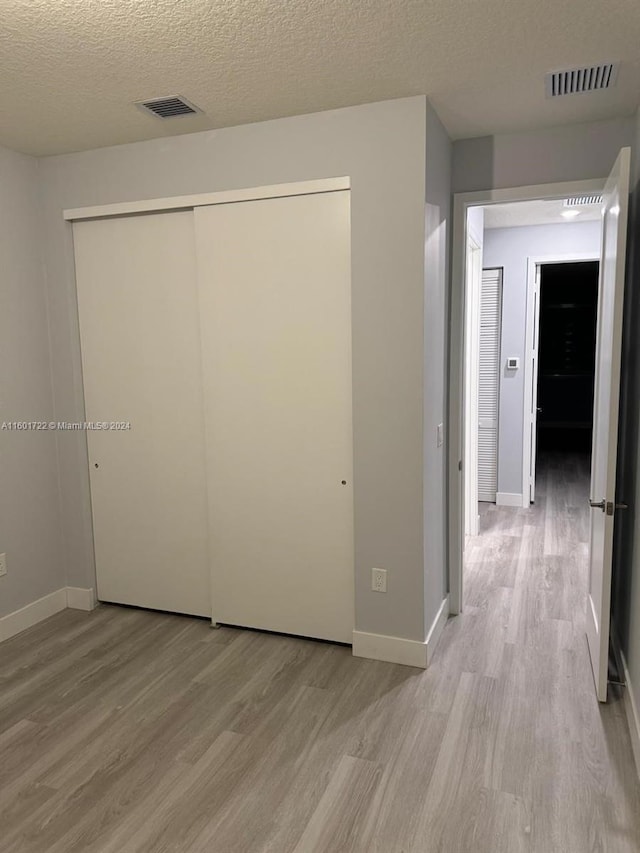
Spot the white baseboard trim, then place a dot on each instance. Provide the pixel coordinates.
(75, 597)
(31, 614)
(399, 649)
(509, 499)
(79, 598)
(631, 709)
(390, 649)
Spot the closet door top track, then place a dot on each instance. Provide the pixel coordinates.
(323, 185)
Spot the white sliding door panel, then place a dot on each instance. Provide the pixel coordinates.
(489, 383)
(137, 297)
(275, 303)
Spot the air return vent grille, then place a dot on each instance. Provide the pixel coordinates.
(169, 107)
(577, 80)
(578, 201)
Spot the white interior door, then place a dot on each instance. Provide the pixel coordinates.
(275, 300)
(605, 416)
(137, 297)
(489, 383)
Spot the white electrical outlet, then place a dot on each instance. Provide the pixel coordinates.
(379, 580)
(3, 564)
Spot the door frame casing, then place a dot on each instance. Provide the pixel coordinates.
(456, 374)
(533, 262)
(473, 285)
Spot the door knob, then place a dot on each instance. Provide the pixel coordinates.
(607, 506)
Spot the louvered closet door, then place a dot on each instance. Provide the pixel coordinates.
(489, 383)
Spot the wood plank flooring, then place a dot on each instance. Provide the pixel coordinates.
(123, 731)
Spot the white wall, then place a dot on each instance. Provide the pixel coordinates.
(436, 280)
(30, 531)
(382, 148)
(570, 153)
(510, 249)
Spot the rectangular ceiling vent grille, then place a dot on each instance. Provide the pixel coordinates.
(580, 200)
(169, 107)
(577, 80)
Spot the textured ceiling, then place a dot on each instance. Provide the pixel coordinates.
(518, 213)
(70, 69)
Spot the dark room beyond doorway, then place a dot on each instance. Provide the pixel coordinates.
(568, 314)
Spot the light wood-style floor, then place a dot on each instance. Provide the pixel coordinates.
(124, 730)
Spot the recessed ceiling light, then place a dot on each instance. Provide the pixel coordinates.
(569, 214)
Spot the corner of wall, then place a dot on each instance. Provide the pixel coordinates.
(29, 505)
(47, 301)
(438, 161)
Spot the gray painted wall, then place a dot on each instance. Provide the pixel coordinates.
(511, 248)
(30, 531)
(382, 147)
(626, 580)
(436, 279)
(572, 153)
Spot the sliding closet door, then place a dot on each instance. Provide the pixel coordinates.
(274, 284)
(137, 296)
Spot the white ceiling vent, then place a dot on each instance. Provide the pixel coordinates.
(170, 107)
(578, 80)
(580, 200)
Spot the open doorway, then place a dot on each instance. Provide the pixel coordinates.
(563, 376)
(566, 356)
(560, 351)
(530, 329)
(530, 325)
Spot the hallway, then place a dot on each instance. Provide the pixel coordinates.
(561, 754)
(123, 731)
